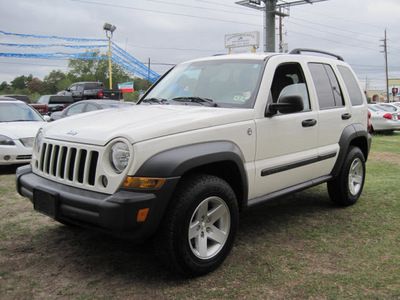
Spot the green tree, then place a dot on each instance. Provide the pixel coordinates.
(84, 69)
(97, 70)
(21, 82)
(4, 87)
(51, 81)
(141, 84)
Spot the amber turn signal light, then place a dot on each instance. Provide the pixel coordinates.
(142, 215)
(143, 183)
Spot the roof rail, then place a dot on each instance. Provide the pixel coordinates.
(300, 50)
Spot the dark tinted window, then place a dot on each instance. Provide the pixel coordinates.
(356, 96)
(328, 89)
(93, 85)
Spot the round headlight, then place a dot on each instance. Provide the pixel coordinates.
(38, 141)
(119, 156)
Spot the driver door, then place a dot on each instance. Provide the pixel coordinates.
(286, 143)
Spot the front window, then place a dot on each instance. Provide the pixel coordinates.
(224, 83)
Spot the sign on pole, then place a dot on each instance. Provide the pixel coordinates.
(394, 81)
(244, 39)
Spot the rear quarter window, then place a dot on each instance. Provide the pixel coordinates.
(351, 83)
(93, 86)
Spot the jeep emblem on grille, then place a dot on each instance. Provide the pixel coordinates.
(72, 132)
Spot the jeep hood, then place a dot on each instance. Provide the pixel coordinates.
(141, 122)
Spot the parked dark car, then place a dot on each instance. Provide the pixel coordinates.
(91, 90)
(24, 98)
(55, 102)
(87, 106)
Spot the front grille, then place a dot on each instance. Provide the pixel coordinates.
(24, 157)
(66, 163)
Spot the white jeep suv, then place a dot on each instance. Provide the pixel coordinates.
(212, 137)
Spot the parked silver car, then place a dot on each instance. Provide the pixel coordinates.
(383, 118)
(87, 106)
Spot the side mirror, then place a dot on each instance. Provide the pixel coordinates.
(47, 118)
(286, 104)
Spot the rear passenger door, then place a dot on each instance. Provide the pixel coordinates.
(334, 114)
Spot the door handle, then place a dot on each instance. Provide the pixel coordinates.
(346, 116)
(309, 123)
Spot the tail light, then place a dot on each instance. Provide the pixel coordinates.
(368, 122)
(388, 116)
(101, 94)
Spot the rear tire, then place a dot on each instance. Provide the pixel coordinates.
(199, 227)
(345, 189)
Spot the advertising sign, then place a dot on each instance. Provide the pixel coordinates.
(244, 39)
(394, 81)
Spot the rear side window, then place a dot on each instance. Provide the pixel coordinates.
(356, 96)
(327, 86)
(93, 85)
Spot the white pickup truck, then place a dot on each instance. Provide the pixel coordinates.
(212, 137)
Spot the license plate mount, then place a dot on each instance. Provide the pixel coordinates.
(45, 202)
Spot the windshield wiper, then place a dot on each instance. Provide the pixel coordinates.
(156, 100)
(199, 100)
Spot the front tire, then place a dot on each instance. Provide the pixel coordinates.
(199, 228)
(345, 189)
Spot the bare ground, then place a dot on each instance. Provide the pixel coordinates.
(279, 254)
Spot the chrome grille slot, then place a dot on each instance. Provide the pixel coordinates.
(68, 163)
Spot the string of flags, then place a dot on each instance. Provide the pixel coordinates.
(118, 55)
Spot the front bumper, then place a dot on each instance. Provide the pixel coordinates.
(10, 155)
(113, 214)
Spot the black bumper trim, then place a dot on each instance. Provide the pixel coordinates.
(113, 214)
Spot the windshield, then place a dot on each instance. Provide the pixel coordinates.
(225, 83)
(44, 99)
(18, 112)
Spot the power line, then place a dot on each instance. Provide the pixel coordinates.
(334, 34)
(203, 8)
(162, 12)
(337, 18)
(336, 28)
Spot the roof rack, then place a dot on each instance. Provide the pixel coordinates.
(300, 50)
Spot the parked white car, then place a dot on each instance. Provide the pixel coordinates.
(383, 119)
(390, 107)
(19, 124)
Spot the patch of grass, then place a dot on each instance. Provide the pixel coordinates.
(300, 247)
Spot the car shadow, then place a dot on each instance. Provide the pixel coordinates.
(90, 253)
(9, 169)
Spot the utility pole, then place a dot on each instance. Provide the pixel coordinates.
(280, 33)
(386, 65)
(270, 12)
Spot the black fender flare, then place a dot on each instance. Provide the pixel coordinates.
(354, 134)
(177, 161)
